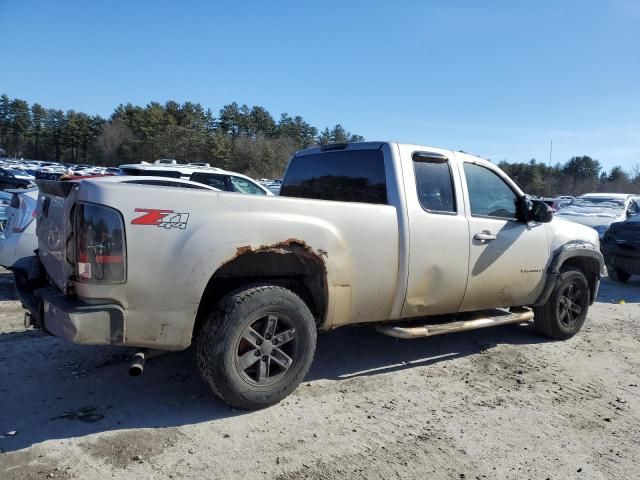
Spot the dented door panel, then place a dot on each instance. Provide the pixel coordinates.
(439, 246)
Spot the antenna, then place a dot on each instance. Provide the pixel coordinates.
(549, 173)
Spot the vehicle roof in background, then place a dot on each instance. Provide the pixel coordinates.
(183, 168)
(147, 178)
(617, 196)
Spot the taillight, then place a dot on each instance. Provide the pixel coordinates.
(100, 244)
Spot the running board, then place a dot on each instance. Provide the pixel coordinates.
(520, 316)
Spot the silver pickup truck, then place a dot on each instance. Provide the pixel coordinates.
(418, 240)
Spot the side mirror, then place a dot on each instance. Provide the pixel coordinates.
(523, 209)
(540, 212)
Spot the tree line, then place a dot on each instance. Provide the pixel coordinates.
(239, 138)
(578, 175)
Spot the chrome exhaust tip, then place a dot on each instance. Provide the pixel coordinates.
(137, 364)
(139, 358)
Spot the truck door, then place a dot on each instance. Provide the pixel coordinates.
(507, 257)
(439, 233)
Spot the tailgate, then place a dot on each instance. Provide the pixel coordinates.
(55, 229)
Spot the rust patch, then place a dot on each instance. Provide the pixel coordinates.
(289, 241)
(245, 249)
(290, 258)
(279, 247)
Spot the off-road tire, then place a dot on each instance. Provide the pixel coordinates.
(547, 318)
(224, 331)
(618, 275)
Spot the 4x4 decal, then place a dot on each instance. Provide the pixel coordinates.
(161, 218)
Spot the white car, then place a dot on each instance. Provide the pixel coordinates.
(201, 173)
(18, 238)
(599, 210)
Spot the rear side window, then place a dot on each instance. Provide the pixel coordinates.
(152, 173)
(157, 183)
(434, 183)
(132, 171)
(163, 173)
(213, 180)
(343, 175)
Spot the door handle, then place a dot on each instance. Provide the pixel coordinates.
(484, 236)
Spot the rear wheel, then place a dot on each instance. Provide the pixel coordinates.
(257, 346)
(566, 310)
(618, 275)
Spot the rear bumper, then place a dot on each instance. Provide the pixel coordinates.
(64, 316)
(79, 322)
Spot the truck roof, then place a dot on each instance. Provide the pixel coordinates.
(372, 145)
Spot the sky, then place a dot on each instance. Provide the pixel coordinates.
(500, 79)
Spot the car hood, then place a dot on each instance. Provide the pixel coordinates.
(590, 216)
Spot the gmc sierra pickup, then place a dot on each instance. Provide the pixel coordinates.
(418, 240)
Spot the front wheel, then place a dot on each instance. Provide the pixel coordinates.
(257, 346)
(566, 310)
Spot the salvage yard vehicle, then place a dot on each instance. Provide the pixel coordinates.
(599, 210)
(419, 241)
(198, 172)
(9, 179)
(621, 249)
(18, 238)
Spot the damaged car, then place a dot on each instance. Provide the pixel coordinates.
(599, 210)
(415, 240)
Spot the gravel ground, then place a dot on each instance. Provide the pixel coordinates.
(495, 403)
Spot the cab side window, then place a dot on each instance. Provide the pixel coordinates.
(434, 183)
(489, 195)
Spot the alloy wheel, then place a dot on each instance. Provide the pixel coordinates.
(266, 350)
(570, 304)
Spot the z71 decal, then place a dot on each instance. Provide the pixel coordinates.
(161, 218)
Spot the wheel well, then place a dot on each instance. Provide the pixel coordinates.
(591, 269)
(290, 264)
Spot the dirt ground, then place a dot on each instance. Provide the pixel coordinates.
(495, 403)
